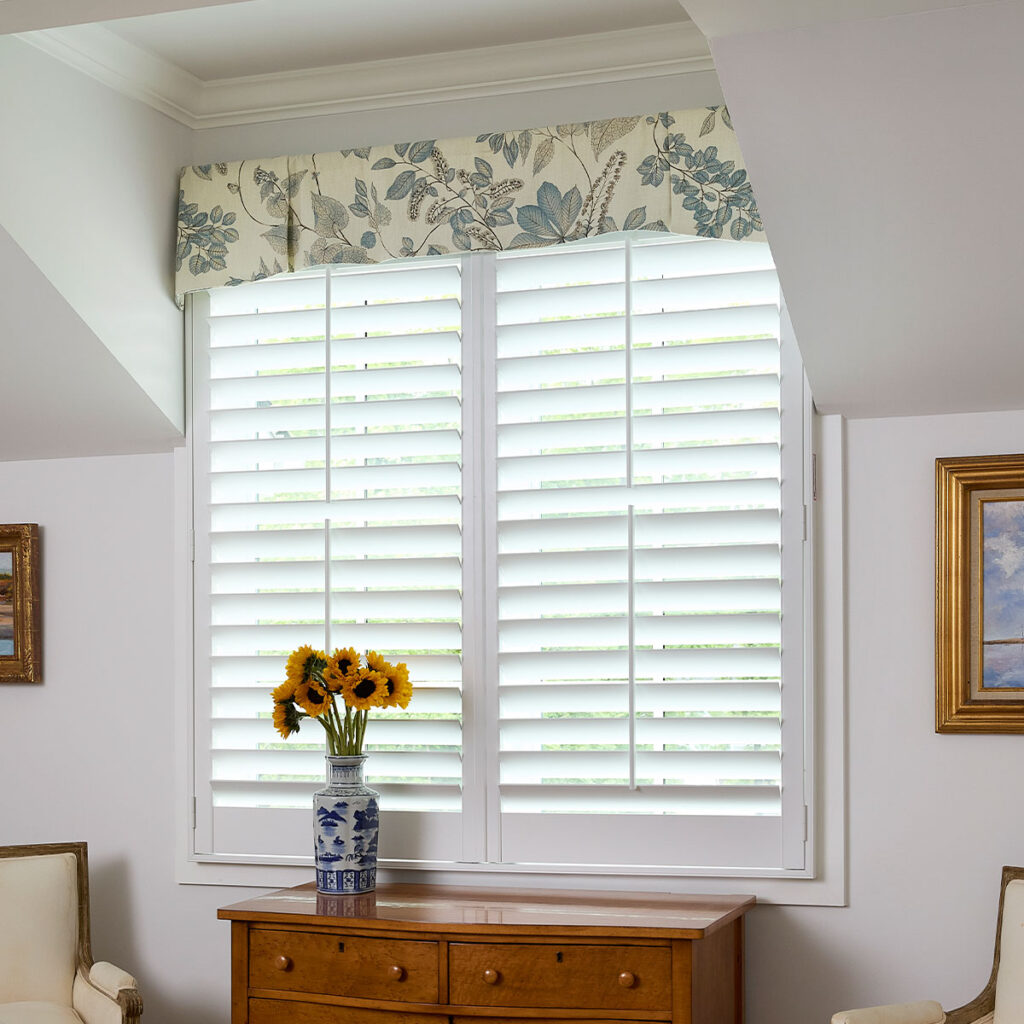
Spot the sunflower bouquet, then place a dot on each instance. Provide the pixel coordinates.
(318, 686)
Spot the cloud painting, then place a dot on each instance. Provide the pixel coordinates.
(6, 605)
(1003, 594)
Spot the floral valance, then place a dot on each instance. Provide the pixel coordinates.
(680, 172)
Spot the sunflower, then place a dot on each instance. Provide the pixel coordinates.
(397, 676)
(284, 692)
(301, 664)
(313, 697)
(286, 718)
(366, 690)
(341, 664)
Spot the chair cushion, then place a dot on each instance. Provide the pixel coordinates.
(1009, 1007)
(925, 1012)
(39, 937)
(37, 1013)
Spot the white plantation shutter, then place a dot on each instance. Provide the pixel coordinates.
(552, 482)
(358, 498)
(639, 555)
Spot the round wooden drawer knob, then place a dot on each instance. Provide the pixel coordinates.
(491, 977)
(283, 963)
(627, 979)
(396, 973)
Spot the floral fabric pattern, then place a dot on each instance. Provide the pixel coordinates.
(680, 172)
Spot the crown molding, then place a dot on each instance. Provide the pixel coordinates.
(519, 67)
(124, 67)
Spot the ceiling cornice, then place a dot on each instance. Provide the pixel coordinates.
(520, 67)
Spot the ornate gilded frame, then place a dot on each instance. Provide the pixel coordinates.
(959, 486)
(21, 541)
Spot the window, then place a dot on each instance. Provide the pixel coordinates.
(550, 481)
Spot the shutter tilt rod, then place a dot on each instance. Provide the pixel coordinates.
(630, 612)
(629, 362)
(327, 460)
(632, 655)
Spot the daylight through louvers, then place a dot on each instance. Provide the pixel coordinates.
(680, 172)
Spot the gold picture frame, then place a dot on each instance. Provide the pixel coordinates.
(979, 594)
(21, 652)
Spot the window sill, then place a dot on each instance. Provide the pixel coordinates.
(769, 886)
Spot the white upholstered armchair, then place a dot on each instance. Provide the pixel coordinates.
(1001, 1001)
(46, 971)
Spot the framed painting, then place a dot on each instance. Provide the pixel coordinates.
(979, 594)
(20, 644)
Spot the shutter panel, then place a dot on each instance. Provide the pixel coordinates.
(396, 518)
(334, 524)
(638, 498)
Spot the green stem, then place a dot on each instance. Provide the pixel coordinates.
(335, 728)
(324, 720)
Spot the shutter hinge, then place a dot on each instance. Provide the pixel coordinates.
(805, 523)
(194, 814)
(806, 814)
(814, 476)
(192, 545)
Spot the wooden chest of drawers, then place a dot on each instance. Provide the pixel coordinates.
(416, 954)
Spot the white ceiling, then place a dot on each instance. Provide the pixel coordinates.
(27, 15)
(268, 37)
(266, 60)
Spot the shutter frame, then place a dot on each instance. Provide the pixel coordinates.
(658, 513)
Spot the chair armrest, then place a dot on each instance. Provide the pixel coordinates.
(104, 994)
(926, 1012)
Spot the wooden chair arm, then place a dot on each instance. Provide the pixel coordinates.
(974, 1011)
(104, 994)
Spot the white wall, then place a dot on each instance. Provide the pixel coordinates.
(931, 818)
(89, 753)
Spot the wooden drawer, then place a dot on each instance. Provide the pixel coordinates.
(343, 965)
(287, 1011)
(565, 976)
(531, 1020)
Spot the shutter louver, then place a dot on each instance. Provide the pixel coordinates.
(358, 498)
(637, 469)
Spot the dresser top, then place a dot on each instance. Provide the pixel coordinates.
(464, 911)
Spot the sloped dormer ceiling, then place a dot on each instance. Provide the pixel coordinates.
(885, 154)
(89, 180)
(62, 393)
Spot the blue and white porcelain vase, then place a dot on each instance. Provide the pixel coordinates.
(345, 828)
